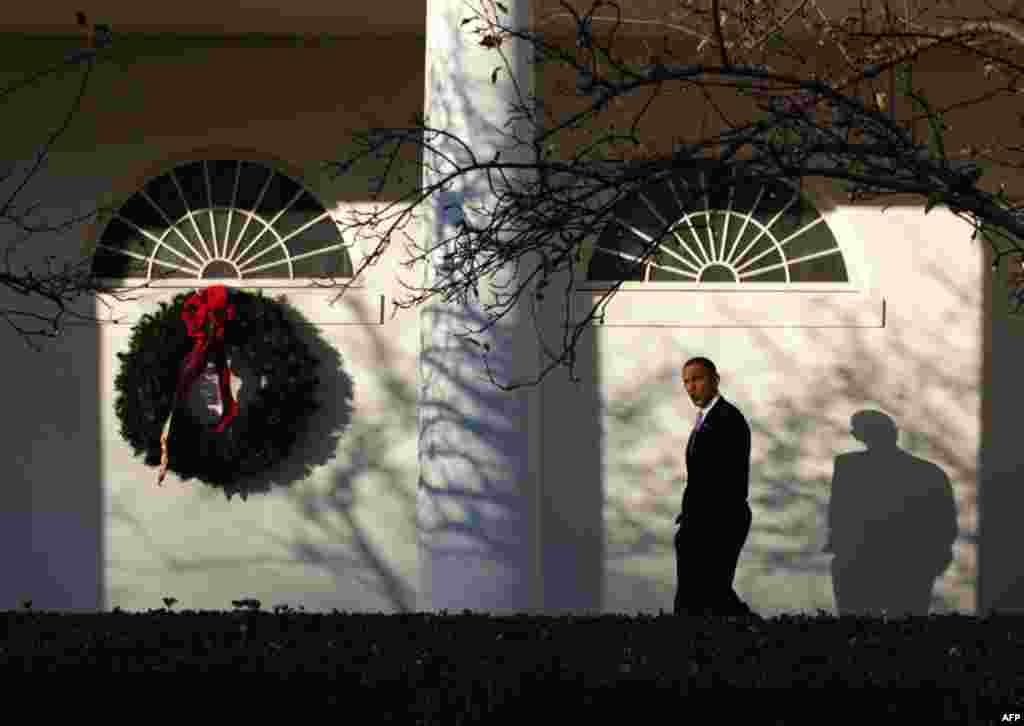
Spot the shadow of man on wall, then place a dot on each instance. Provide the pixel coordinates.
(892, 523)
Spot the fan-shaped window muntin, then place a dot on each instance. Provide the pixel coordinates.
(737, 233)
(222, 218)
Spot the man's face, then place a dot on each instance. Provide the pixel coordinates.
(700, 384)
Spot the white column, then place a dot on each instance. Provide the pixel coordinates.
(478, 487)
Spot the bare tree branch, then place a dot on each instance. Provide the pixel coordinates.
(717, 15)
(57, 287)
(594, 157)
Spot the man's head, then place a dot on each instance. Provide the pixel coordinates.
(701, 380)
(876, 429)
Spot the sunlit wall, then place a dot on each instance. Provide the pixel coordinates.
(922, 338)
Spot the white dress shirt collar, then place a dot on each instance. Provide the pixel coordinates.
(704, 411)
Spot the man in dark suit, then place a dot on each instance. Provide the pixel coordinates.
(715, 517)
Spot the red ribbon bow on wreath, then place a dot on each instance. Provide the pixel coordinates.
(205, 314)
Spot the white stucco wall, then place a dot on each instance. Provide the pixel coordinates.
(341, 536)
(89, 528)
(798, 369)
(87, 525)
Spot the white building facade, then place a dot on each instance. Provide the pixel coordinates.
(420, 486)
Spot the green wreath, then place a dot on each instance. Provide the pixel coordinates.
(278, 378)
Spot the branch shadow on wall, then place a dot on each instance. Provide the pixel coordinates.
(893, 516)
(468, 509)
(346, 546)
(474, 518)
(884, 497)
(789, 504)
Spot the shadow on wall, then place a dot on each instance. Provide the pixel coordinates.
(883, 497)
(1000, 579)
(469, 504)
(481, 534)
(358, 512)
(348, 545)
(892, 524)
(574, 488)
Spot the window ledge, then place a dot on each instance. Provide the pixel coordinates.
(357, 306)
(737, 307)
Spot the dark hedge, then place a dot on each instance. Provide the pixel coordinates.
(473, 668)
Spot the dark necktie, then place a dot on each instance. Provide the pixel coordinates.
(700, 420)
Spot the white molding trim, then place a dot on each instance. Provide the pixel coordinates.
(785, 308)
(357, 306)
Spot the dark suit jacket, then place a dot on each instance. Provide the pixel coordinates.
(717, 467)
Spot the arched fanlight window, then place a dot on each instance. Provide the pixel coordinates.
(731, 232)
(221, 219)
